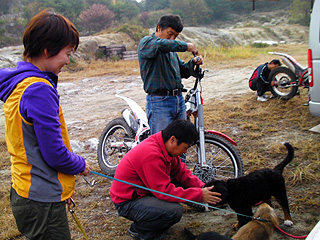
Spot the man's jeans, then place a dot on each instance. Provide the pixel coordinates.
(162, 110)
(151, 216)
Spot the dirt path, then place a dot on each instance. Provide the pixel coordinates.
(90, 103)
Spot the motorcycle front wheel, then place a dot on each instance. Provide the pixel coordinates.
(223, 161)
(287, 85)
(115, 141)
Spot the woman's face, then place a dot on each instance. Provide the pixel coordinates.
(56, 63)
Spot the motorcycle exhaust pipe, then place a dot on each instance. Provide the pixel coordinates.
(288, 64)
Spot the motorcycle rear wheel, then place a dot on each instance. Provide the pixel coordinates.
(285, 90)
(114, 144)
(222, 159)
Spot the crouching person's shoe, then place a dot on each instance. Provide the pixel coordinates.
(134, 234)
(261, 99)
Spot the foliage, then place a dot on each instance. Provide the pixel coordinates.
(155, 16)
(218, 9)
(96, 18)
(134, 31)
(108, 3)
(144, 17)
(154, 5)
(31, 9)
(125, 11)
(194, 12)
(300, 12)
(68, 8)
(259, 44)
(5, 6)
(9, 31)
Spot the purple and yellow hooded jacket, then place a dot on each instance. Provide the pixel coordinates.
(42, 164)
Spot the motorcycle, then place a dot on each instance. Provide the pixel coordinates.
(288, 78)
(213, 157)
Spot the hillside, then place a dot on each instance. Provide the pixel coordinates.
(243, 30)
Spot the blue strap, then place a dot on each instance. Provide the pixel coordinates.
(166, 194)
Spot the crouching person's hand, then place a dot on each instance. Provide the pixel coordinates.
(210, 197)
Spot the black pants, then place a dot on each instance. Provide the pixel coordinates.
(40, 221)
(260, 86)
(151, 216)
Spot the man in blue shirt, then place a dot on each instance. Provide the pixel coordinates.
(161, 72)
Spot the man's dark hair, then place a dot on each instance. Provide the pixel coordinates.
(183, 130)
(276, 61)
(173, 21)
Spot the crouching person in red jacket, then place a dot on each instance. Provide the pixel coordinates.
(152, 164)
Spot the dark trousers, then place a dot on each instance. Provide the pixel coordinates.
(260, 86)
(37, 220)
(151, 217)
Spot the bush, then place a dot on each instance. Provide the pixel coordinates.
(259, 45)
(134, 31)
(96, 18)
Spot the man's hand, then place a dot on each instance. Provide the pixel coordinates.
(69, 201)
(192, 48)
(274, 83)
(210, 197)
(198, 60)
(86, 171)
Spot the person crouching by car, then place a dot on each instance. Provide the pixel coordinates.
(259, 80)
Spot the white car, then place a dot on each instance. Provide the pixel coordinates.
(314, 60)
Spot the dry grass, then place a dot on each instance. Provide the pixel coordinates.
(217, 58)
(239, 56)
(258, 128)
(95, 68)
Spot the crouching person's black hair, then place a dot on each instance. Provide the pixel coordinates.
(183, 130)
(276, 62)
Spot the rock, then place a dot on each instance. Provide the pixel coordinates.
(93, 143)
(77, 146)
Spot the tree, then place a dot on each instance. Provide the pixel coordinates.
(96, 18)
(194, 12)
(218, 9)
(153, 5)
(108, 3)
(68, 8)
(30, 10)
(300, 12)
(5, 6)
(144, 17)
(125, 11)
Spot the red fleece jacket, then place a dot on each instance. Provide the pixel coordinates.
(149, 165)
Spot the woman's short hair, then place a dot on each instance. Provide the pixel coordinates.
(184, 131)
(173, 21)
(50, 31)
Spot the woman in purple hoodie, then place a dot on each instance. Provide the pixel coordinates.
(42, 164)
